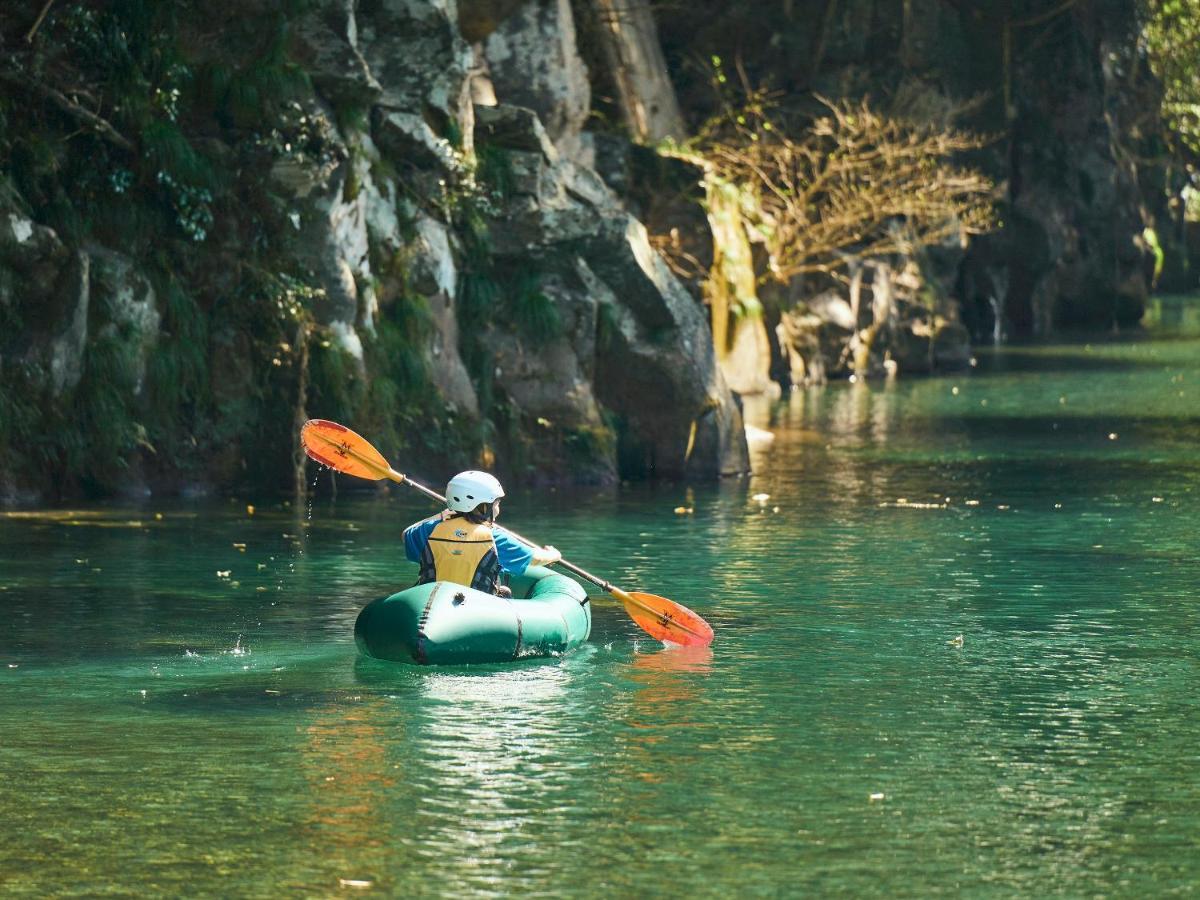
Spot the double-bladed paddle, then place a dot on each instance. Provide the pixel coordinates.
(339, 448)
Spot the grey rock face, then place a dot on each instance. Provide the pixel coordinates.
(893, 322)
(415, 51)
(378, 201)
(534, 63)
(129, 304)
(66, 348)
(326, 44)
(434, 275)
(654, 366)
(44, 287)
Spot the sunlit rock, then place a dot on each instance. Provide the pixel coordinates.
(533, 62)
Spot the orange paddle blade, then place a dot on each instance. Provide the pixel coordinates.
(341, 449)
(665, 619)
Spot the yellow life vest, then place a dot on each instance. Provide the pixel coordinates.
(462, 552)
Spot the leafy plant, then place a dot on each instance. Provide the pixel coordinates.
(534, 314)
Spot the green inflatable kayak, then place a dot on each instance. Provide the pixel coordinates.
(442, 623)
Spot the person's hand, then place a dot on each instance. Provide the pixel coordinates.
(550, 555)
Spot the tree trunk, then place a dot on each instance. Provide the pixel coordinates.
(634, 55)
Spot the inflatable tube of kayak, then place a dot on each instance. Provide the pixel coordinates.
(442, 623)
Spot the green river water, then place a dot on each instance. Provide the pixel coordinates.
(183, 711)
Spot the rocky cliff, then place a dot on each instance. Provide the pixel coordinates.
(337, 209)
(441, 223)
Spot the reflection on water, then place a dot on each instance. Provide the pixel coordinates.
(184, 708)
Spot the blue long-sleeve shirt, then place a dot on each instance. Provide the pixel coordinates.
(513, 555)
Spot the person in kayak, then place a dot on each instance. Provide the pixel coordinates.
(461, 544)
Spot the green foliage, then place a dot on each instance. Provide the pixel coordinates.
(478, 297)
(177, 378)
(209, 104)
(27, 423)
(495, 170)
(248, 95)
(607, 325)
(534, 314)
(336, 388)
(1171, 40)
(103, 429)
(87, 433)
(353, 118)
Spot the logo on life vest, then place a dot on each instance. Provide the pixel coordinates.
(458, 532)
(456, 553)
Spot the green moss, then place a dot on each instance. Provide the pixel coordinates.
(590, 443)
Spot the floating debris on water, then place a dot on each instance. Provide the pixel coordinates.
(684, 510)
(877, 796)
(223, 573)
(1112, 435)
(954, 390)
(1156, 499)
(971, 502)
(249, 509)
(956, 641)
(905, 503)
(237, 546)
(1058, 506)
(354, 882)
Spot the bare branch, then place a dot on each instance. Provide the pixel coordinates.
(38, 23)
(63, 102)
(857, 184)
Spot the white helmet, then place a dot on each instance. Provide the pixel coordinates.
(467, 490)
